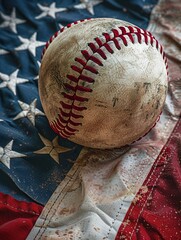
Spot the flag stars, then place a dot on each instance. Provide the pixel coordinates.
(38, 66)
(7, 153)
(49, 11)
(29, 44)
(52, 148)
(88, 4)
(60, 26)
(10, 81)
(11, 21)
(29, 110)
(3, 52)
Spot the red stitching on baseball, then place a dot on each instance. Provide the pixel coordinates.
(86, 54)
(70, 24)
(123, 30)
(75, 115)
(108, 47)
(161, 49)
(77, 69)
(64, 114)
(64, 127)
(81, 61)
(139, 38)
(77, 87)
(131, 37)
(57, 126)
(72, 78)
(96, 60)
(116, 42)
(131, 29)
(91, 69)
(146, 39)
(61, 125)
(67, 133)
(107, 36)
(68, 106)
(75, 97)
(62, 29)
(51, 39)
(101, 53)
(64, 135)
(55, 34)
(93, 47)
(124, 40)
(62, 120)
(98, 40)
(71, 129)
(116, 33)
(86, 78)
(74, 123)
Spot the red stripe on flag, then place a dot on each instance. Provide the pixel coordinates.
(155, 211)
(17, 218)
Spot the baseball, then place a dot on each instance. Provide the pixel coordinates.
(102, 82)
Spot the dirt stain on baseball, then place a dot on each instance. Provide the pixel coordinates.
(58, 80)
(114, 100)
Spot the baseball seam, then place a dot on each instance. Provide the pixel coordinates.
(60, 31)
(65, 123)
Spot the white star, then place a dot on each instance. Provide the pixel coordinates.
(37, 76)
(60, 25)
(52, 148)
(11, 81)
(11, 21)
(30, 44)
(1, 120)
(7, 153)
(29, 111)
(88, 4)
(2, 51)
(49, 11)
(39, 63)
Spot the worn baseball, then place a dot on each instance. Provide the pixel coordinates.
(102, 82)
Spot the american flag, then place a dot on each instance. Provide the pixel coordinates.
(51, 188)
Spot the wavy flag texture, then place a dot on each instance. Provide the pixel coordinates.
(51, 188)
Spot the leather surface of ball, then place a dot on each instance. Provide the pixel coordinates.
(102, 82)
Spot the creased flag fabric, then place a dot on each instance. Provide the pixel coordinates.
(51, 188)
